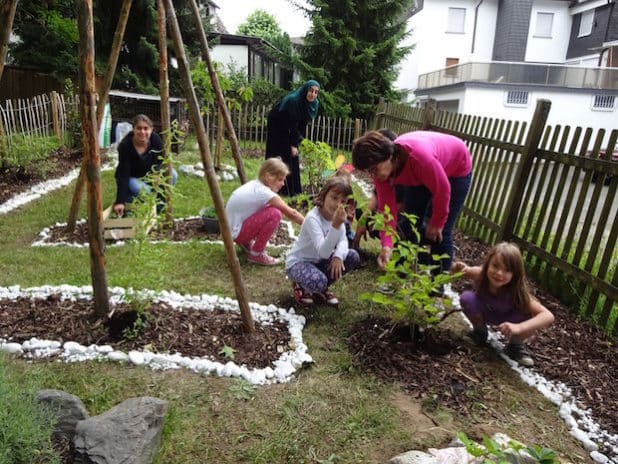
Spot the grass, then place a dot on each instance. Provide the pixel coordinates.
(329, 413)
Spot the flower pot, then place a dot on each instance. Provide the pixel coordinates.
(211, 225)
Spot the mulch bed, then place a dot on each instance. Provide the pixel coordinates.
(194, 333)
(571, 351)
(182, 231)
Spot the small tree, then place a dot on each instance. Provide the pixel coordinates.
(317, 163)
(412, 286)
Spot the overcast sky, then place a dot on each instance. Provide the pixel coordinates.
(235, 12)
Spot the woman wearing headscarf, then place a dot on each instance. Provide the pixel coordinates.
(287, 125)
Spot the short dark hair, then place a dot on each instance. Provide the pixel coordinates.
(370, 149)
(142, 118)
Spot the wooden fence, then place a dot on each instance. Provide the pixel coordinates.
(551, 190)
(28, 118)
(250, 126)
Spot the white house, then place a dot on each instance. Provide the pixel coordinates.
(495, 58)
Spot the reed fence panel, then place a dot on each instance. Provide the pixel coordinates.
(551, 190)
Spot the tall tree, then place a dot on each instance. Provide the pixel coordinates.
(353, 49)
(262, 24)
(48, 39)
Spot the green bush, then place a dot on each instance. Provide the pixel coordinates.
(25, 436)
(29, 154)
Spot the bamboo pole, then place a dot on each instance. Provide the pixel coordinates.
(7, 13)
(198, 122)
(88, 105)
(164, 89)
(109, 76)
(215, 84)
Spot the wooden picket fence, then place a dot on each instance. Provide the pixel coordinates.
(39, 116)
(250, 125)
(551, 190)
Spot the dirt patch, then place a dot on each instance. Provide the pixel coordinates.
(183, 230)
(463, 377)
(193, 333)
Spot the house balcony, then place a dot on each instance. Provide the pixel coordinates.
(501, 72)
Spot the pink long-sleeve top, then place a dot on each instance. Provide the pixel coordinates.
(434, 157)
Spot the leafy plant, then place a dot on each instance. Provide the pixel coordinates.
(243, 390)
(411, 284)
(492, 452)
(227, 351)
(139, 306)
(317, 159)
(208, 212)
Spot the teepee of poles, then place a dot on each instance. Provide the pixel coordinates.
(91, 115)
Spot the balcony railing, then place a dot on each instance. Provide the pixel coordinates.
(499, 72)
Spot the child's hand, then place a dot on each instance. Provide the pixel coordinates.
(458, 266)
(509, 329)
(336, 268)
(340, 216)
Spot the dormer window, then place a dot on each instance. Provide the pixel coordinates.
(585, 24)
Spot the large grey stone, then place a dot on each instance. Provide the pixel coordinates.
(68, 409)
(129, 433)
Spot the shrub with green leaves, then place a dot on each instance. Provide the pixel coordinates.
(412, 287)
(25, 427)
(317, 160)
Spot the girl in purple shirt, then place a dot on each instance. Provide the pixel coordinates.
(429, 172)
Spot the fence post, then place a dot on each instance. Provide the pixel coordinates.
(380, 115)
(429, 114)
(513, 204)
(55, 118)
(357, 128)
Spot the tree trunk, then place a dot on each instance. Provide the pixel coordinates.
(91, 157)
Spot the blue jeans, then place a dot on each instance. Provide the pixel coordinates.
(417, 201)
(136, 185)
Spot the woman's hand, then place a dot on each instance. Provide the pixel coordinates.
(294, 150)
(336, 268)
(119, 209)
(384, 257)
(433, 233)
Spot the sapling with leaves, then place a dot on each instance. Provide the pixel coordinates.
(513, 452)
(317, 161)
(408, 287)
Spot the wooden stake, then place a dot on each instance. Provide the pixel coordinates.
(221, 101)
(211, 178)
(7, 15)
(92, 159)
(109, 77)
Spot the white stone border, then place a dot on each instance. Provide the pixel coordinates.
(579, 421)
(45, 234)
(282, 371)
(38, 190)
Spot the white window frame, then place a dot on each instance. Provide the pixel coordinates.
(603, 102)
(456, 21)
(515, 98)
(585, 23)
(545, 34)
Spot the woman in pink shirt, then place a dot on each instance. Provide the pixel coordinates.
(428, 172)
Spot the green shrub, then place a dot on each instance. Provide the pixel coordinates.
(29, 154)
(25, 436)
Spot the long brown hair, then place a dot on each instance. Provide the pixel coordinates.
(518, 286)
(338, 183)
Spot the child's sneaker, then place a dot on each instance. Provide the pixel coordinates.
(519, 353)
(301, 296)
(327, 297)
(263, 259)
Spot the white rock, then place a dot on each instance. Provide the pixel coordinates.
(136, 358)
(117, 356)
(582, 436)
(11, 348)
(74, 348)
(599, 457)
